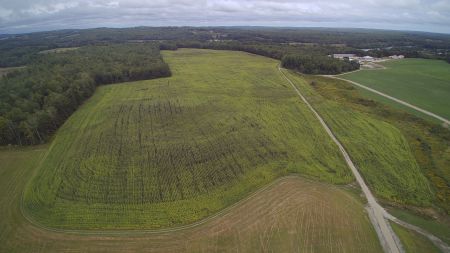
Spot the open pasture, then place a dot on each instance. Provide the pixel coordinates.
(423, 83)
(292, 214)
(171, 151)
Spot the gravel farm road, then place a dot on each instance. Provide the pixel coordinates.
(377, 214)
(440, 118)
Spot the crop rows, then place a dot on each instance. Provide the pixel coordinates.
(171, 151)
(140, 157)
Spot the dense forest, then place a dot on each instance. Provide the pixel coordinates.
(36, 100)
(16, 50)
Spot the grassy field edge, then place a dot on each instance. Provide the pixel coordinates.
(355, 195)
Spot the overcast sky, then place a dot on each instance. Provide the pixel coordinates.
(17, 16)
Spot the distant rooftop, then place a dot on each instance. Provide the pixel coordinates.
(343, 55)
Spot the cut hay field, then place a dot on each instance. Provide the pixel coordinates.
(167, 152)
(420, 82)
(291, 215)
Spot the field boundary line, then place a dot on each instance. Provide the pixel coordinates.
(381, 67)
(125, 232)
(377, 214)
(440, 118)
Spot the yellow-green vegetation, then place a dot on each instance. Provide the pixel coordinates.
(171, 151)
(379, 149)
(403, 158)
(414, 242)
(292, 214)
(421, 82)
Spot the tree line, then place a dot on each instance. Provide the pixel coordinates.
(318, 64)
(308, 59)
(20, 49)
(36, 100)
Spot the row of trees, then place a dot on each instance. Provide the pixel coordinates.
(310, 64)
(35, 101)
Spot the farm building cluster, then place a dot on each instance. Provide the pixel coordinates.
(364, 59)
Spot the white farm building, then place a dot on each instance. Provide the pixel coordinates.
(342, 56)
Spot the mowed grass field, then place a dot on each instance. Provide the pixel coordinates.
(167, 152)
(414, 242)
(291, 215)
(421, 82)
(438, 228)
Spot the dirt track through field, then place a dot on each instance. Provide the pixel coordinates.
(291, 215)
(444, 120)
(377, 213)
(435, 240)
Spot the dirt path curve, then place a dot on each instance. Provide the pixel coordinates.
(377, 214)
(444, 120)
(134, 232)
(435, 240)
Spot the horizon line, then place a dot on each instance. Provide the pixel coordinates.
(227, 26)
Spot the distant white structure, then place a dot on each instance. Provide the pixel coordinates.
(397, 56)
(342, 56)
(366, 58)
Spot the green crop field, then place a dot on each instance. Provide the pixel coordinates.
(171, 151)
(421, 82)
(292, 214)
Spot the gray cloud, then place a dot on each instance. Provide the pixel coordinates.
(35, 15)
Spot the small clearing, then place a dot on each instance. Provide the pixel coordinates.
(58, 50)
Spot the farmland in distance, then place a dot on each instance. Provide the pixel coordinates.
(167, 152)
(421, 82)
